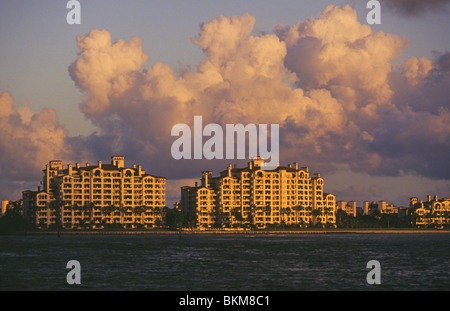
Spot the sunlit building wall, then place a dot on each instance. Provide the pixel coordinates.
(433, 212)
(96, 195)
(241, 197)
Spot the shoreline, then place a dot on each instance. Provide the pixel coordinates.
(238, 232)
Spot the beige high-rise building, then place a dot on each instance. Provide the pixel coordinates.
(96, 195)
(252, 196)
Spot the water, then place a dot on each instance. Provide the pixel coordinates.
(221, 263)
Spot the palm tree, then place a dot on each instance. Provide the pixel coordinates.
(107, 210)
(122, 209)
(295, 210)
(288, 211)
(298, 209)
(139, 210)
(191, 218)
(41, 223)
(316, 212)
(55, 206)
(116, 211)
(218, 216)
(258, 210)
(282, 214)
(340, 214)
(250, 216)
(90, 209)
(149, 211)
(326, 211)
(75, 211)
(309, 210)
(237, 215)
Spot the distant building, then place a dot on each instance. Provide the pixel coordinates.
(350, 207)
(97, 195)
(433, 212)
(252, 196)
(366, 207)
(370, 208)
(4, 206)
(386, 208)
(7, 205)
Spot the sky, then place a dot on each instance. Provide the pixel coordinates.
(366, 106)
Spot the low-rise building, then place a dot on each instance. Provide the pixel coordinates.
(433, 212)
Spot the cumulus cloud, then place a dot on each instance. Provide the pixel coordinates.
(29, 139)
(336, 52)
(328, 81)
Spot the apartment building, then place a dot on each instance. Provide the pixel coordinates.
(252, 196)
(432, 212)
(348, 207)
(96, 196)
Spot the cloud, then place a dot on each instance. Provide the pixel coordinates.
(444, 62)
(336, 52)
(328, 81)
(97, 65)
(29, 139)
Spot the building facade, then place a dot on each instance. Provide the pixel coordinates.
(433, 212)
(255, 197)
(379, 208)
(96, 196)
(348, 207)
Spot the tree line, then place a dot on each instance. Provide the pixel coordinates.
(175, 219)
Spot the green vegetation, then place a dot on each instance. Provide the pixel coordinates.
(174, 220)
(375, 220)
(12, 221)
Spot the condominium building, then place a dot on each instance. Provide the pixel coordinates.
(433, 212)
(386, 208)
(349, 208)
(252, 196)
(96, 195)
(379, 207)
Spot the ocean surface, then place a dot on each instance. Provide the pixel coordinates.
(323, 262)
